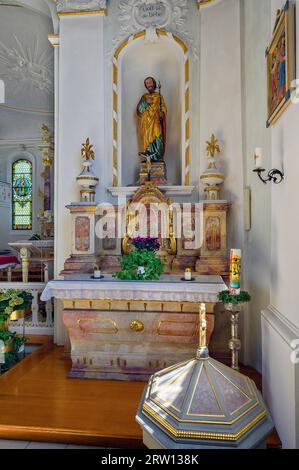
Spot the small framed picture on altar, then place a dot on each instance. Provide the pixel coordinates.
(281, 63)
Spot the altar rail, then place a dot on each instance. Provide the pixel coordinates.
(40, 321)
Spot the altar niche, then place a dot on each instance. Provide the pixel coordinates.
(167, 61)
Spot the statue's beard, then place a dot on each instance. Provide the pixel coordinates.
(151, 90)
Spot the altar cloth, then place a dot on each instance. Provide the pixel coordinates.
(7, 261)
(169, 288)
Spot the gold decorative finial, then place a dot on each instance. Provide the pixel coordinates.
(213, 146)
(87, 151)
(203, 352)
(46, 137)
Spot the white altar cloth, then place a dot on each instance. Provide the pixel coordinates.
(169, 288)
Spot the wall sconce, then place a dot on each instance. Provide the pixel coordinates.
(276, 176)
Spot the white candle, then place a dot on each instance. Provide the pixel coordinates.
(141, 270)
(188, 275)
(258, 157)
(97, 274)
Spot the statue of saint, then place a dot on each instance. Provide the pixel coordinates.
(152, 111)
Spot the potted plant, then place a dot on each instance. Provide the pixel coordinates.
(13, 304)
(12, 301)
(142, 263)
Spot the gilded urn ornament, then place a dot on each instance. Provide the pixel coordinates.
(212, 177)
(87, 179)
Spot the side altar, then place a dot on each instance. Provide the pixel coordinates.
(128, 330)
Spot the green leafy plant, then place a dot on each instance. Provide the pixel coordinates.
(153, 266)
(227, 298)
(13, 299)
(11, 357)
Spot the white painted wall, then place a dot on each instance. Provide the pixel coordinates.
(284, 263)
(270, 247)
(81, 115)
(285, 222)
(221, 113)
(220, 102)
(255, 28)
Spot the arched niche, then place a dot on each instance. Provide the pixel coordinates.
(167, 60)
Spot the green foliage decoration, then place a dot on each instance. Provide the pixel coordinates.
(13, 299)
(227, 298)
(153, 266)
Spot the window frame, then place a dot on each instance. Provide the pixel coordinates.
(14, 202)
(14, 157)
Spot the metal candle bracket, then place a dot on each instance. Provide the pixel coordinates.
(274, 175)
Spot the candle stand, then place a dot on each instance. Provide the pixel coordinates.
(234, 343)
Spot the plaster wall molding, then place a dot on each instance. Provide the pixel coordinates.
(286, 329)
(28, 67)
(41, 112)
(148, 15)
(207, 3)
(65, 7)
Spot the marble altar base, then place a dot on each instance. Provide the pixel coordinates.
(123, 330)
(131, 343)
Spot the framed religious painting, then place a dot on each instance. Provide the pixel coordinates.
(281, 63)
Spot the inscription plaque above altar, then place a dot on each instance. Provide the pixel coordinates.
(153, 14)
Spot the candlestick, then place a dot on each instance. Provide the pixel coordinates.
(203, 351)
(235, 272)
(234, 343)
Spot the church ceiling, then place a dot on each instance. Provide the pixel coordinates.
(26, 59)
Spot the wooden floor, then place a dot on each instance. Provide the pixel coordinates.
(38, 403)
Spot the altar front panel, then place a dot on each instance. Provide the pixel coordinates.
(129, 330)
(130, 343)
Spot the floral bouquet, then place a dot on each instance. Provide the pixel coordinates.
(148, 243)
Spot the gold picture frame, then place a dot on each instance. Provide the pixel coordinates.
(281, 63)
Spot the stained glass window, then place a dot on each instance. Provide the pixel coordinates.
(22, 195)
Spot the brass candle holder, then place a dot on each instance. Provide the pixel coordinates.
(234, 343)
